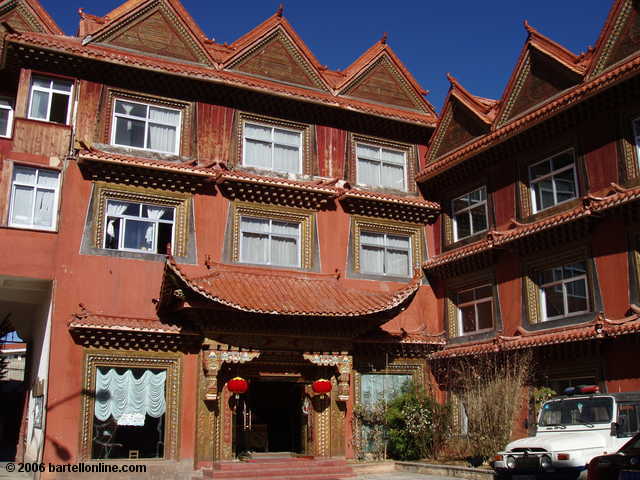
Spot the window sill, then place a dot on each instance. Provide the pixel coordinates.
(31, 229)
(551, 211)
(474, 337)
(476, 237)
(560, 322)
(141, 153)
(65, 126)
(381, 189)
(379, 278)
(273, 267)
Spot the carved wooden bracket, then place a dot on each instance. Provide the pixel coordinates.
(342, 361)
(212, 363)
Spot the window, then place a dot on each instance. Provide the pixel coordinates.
(378, 166)
(272, 148)
(6, 117)
(553, 181)
(563, 291)
(138, 227)
(269, 242)
(470, 214)
(147, 127)
(636, 136)
(50, 99)
(385, 254)
(34, 198)
(475, 310)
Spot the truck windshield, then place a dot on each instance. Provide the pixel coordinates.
(576, 411)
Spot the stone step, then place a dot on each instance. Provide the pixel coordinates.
(307, 476)
(278, 472)
(281, 468)
(279, 463)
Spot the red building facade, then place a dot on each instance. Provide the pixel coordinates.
(177, 213)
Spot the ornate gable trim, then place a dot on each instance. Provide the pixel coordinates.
(118, 26)
(32, 14)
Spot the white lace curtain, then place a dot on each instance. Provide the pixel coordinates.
(154, 213)
(163, 126)
(114, 209)
(129, 399)
(266, 241)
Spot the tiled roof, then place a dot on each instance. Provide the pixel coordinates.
(390, 198)
(276, 292)
(324, 187)
(91, 321)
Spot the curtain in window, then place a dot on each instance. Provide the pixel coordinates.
(286, 156)
(368, 172)
(371, 252)
(43, 212)
(129, 399)
(398, 257)
(162, 137)
(284, 250)
(114, 209)
(22, 205)
(255, 240)
(154, 213)
(257, 154)
(39, 104)
(393, 176)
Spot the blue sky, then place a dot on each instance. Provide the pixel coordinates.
(478, 42)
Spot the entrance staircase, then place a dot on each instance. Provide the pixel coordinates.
(281, 466)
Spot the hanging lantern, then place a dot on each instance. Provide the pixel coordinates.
(321, 386)
(238, 385)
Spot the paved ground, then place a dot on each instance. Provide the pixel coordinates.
(401, 476)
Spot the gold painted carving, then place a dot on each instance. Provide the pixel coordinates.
(276, 212)
(613, 37)
(170, 362)
(214, 360)
(179, 201)
(515, 92)
(342, 361)
(444, 125)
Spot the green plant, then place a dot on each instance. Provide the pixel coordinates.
(539, 396)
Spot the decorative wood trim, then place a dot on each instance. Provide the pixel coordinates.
(524, 72)
(442, 129)
(171, 362)
(627, 147)
(620, 23)
(305, 218)
(308, 160)
(414, 232)
(186, 122)
(180, 201)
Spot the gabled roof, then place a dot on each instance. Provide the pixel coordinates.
(618, 38)
(28, 16)
(276, 292)
(528, 85)
(377, 69)
(159, 27)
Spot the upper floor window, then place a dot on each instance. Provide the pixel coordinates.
(34, 198)
(50, 99)
(269, 242)
(553, 181)
(385, 254)
(470, 214)
(379, 166)
(6, 117)
(475, 310)
(563, 291)
(636, 136)
(272, 148)
(148, 127)
(138, 227)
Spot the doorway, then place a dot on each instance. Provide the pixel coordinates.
(269, 418)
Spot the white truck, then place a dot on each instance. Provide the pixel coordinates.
(571, 430)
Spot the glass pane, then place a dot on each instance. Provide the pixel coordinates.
(577, 296)
(139, 235)
(39, 103)
(113, 233)
(284, 251)
(41, 82)
(540, 169)
(164, 115)
(466, 296)
(63, 85)
(483, 292)
(371, 259)
(478, 219)
(157, 213)
(130, 132)
(24, 175)
(485, 315)
(397, 241)
(551, 275)
(460, 203)
(393, 156)
(468, 317)
(574, 269)
(565, 185)
(165, 237)
(462, 225)
(392, 176)
(162, 138)
(368, 172)
(257, 132)
(257, 225)
(254, 248)
(366, 151)
(133, 109)
(286, 159)
(562, 160)
(372, 238)
(286, 228)
(257, 154)
(4, 122)
(22, 205)
(59, 107)
(43, 213)
(47, 178)
(554, 301)
(286, 137)
(543, 192)
(397, 262)
(476, 196)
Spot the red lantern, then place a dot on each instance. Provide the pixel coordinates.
(238, 385)
(321, 386)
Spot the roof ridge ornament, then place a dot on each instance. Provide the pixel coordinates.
(384, 38)
(280, 10)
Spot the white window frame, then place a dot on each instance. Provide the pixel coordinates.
(384, 249)
(270, 234)
(35, 187)
(468, 209)
(273, 143)
(551, 174)
(123, 219)
(565, 297)
(115, 115)
(635, 124)
(475, 302)
(9, 108)
(380, 163)
(50, 91)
